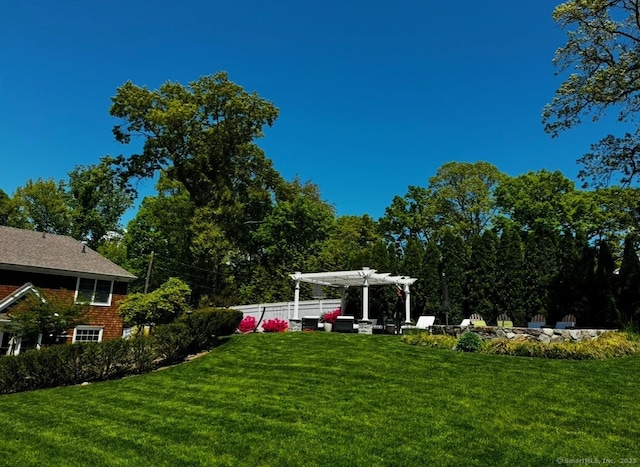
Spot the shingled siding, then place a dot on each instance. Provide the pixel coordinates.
(64, 287)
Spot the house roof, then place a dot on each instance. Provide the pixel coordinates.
(31, 251)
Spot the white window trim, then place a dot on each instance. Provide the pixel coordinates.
(95, 284)
(87, 328)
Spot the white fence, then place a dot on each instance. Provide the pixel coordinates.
(284, 310)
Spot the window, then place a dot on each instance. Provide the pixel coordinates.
(94, 291)
(87, 334)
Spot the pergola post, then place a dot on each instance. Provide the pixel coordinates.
(365, 300)
(296, 299)
(407, 303)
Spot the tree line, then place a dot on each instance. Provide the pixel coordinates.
(227, 223)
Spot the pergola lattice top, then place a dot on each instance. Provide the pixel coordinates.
(355, 278)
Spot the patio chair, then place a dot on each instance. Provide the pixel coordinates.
(378, 328)
(569, 321)
(310, 323)
(537, 322)
(465, 323)
(425, 322)
(503, 321)
(476, 320)
(345, 324)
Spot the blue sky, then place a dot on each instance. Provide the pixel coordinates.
(373, 96)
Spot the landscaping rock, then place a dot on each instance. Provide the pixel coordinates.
(555, 339)
(575, 334)
(544, 338)
(510, 335)
(548, 331)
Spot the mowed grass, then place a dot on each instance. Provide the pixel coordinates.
(332, 399)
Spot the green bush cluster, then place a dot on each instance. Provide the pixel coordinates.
(63, 365)
(439, 341)
(469, 342)
(608, 345)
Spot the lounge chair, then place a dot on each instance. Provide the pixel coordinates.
(503, 321)
(465, 323)
(569, 321)
(537, 322)
(345, 324)
(476, 320)
(310, 323)
(425, 322)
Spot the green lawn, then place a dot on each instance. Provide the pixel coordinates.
(334, 399)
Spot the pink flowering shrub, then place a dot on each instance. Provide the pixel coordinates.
(275, 325)
(248, 324)
(331, 316)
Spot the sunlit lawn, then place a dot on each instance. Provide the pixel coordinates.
(332, 399)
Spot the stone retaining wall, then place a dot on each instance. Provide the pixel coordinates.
(546, 335)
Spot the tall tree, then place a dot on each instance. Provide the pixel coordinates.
(604, 312)
(603, 53)
(463, 196)
(203, 135)
(510, 296)
(455, 262)
(482, 275)
(629, 296)
(540, 269)
(43, 205)
(98, 201)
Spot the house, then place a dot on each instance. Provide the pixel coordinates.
(64, 267)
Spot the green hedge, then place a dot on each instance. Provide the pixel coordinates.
(207, 325)
(607, 345)
(63, 365)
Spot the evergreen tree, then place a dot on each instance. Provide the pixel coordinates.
(509, 281)
(413, 265)
(604, 312)
(540, 270)
(629, 296)
(431, 280)
(455, 260)
(481, 275)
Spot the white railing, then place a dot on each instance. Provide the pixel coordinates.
(284, 310)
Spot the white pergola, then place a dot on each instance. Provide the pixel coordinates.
(364, 278)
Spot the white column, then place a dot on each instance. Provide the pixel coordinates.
(296, 299)
(343, 299)
(407, 303)
(365, 300)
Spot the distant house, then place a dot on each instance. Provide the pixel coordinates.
(64, 267)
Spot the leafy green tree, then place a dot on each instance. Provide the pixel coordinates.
(603, 54)
(536, 199)
(482, 275)
(5, 208)
(463, 196)
(47, 315)
(629, 296)
(203, 135)
(345, 247)
(98, 201)
(163, 225)
(43, 205)
(411, 216)
(161, 306)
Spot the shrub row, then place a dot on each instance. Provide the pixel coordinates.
(64, 365)
(608, 345)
